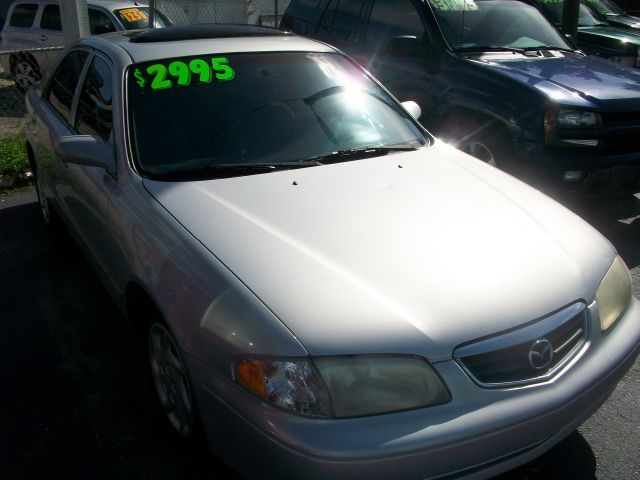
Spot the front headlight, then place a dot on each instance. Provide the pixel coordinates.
(578, 118)
(614, 294)
(345, 386)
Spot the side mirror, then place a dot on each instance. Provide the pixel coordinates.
(413, 108)
(405, 46)
(85, 150)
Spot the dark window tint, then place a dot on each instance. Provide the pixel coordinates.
(23, 15)
(99, 22)
(345, 21)
(95, 115)
(299, 15)
(277, 107)
(51, 18)
(390, 18)
(64, 81)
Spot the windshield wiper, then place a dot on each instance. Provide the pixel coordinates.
(489, 48)
(550, 47)
(227, 170)
(358, 153)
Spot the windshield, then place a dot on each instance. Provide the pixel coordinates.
(605, 7)
(495, 23)
(189, 115)
(586, 18)
(138, 17)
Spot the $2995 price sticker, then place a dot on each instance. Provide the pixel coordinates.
(182, 73)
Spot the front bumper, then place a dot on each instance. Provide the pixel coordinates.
(480, 433)
(548, 165)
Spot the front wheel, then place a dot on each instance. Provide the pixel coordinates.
(25, 71)
(171, 380)
(481, 138)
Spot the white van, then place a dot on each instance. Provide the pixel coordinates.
(36, 24)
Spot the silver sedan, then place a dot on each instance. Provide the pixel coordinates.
(326, 289)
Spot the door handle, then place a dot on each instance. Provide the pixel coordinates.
(43, 38)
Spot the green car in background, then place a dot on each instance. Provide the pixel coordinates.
(614, 14)
(596, 36)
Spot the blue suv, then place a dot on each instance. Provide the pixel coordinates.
(495, 78)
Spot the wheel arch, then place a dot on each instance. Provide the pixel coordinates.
(140, 307)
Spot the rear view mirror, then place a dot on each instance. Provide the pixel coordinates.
(85, 150)
(413, 108)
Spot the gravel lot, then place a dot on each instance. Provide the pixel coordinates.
(76, 402)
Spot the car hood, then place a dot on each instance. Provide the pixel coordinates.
(574, 79)
(624, 36)
(412, 252)
(624, 21)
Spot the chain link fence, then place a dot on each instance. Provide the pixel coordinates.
(253, 12)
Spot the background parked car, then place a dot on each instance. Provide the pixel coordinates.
(614, 14)
(37, 24)
(597, 36)
(497, 79)
(630, 6)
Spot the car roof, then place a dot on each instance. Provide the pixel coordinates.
(169, 42)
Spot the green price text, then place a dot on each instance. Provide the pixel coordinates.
(184, 73)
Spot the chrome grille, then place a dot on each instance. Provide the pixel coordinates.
(529, 354)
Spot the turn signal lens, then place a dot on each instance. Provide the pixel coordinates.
(250, 374)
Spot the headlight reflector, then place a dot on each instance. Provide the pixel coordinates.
(614, 294)
(344, 386)
(578, 118)
(372, 384)
(288, 384)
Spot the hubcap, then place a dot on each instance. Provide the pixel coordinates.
(482, 152)
(170, 378)
(24, 74)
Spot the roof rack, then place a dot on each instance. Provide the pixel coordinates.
(208, 30)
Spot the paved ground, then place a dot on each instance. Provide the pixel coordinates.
(75, 402)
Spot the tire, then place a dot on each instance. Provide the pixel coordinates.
(483, 138)
(171, 381)
(25, 71)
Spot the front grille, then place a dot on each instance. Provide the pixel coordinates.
(529, 354)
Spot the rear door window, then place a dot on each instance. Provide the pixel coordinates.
(51, 18)
(99, 22)
(95, 116)
(62, 86)
(299, 15)
(338, 20)
(390, 18)
(23, 15)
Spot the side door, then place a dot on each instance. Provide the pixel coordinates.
(51, 120)
(90, 187)
(49, 33)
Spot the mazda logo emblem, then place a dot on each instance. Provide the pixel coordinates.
(540, 354)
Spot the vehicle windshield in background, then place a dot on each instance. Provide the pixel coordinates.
(191, 115)
(586, 18)
(467, 24)
(606, 7)
(134, 18)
